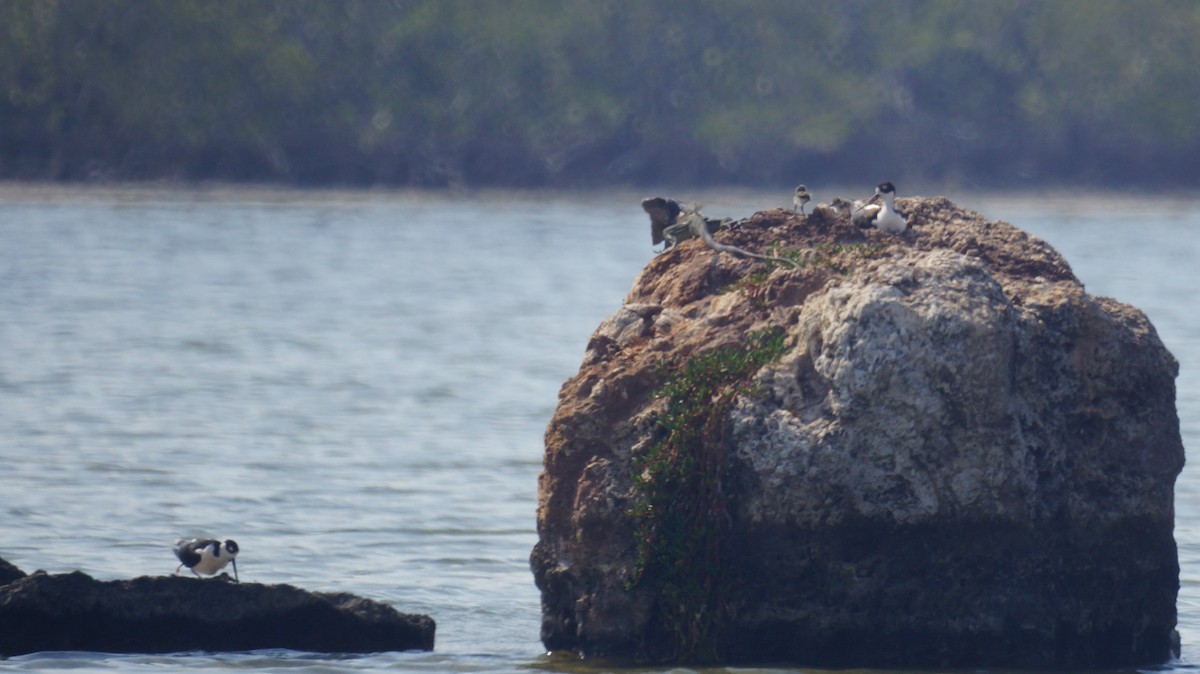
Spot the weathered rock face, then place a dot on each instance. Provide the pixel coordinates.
(960, 459)
(165, 614)
(9, 573)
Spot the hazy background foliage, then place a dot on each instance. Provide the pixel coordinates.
(995, 93)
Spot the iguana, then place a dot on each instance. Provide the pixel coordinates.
(696, 223)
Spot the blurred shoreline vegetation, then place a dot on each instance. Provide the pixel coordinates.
(997, 93)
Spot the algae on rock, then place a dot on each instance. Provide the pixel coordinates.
(678, 495)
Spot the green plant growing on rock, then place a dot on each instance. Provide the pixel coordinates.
(838, 257)
(754, 285)
(678, 499)
(833, 255)
(796, 255)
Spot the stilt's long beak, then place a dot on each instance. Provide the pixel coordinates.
(235, 576)
(873, 200)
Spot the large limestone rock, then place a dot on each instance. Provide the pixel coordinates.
(163, 614)
(958, 458)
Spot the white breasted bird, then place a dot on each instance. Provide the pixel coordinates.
(883, 214)
(888, 219)
(206, 555)
(799, 198)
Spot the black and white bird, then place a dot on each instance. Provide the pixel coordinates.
(799, 198)
(863, 213)
(206, 555)
(883, 214)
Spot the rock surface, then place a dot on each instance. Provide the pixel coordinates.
(9, 573)
(960, 458)
(165, 614)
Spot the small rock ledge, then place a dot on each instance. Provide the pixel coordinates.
(958, 458)
(167, 614)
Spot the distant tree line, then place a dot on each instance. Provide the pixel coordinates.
(595, 92)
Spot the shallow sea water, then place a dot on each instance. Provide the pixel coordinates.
(354, 386)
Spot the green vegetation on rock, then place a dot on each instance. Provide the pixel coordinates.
(678, 496)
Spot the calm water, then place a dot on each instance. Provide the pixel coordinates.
(354, 386)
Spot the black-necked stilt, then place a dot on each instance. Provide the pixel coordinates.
(841, 206)
(882, 215)
(799, 198)
(206, 555)
(863, 213)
